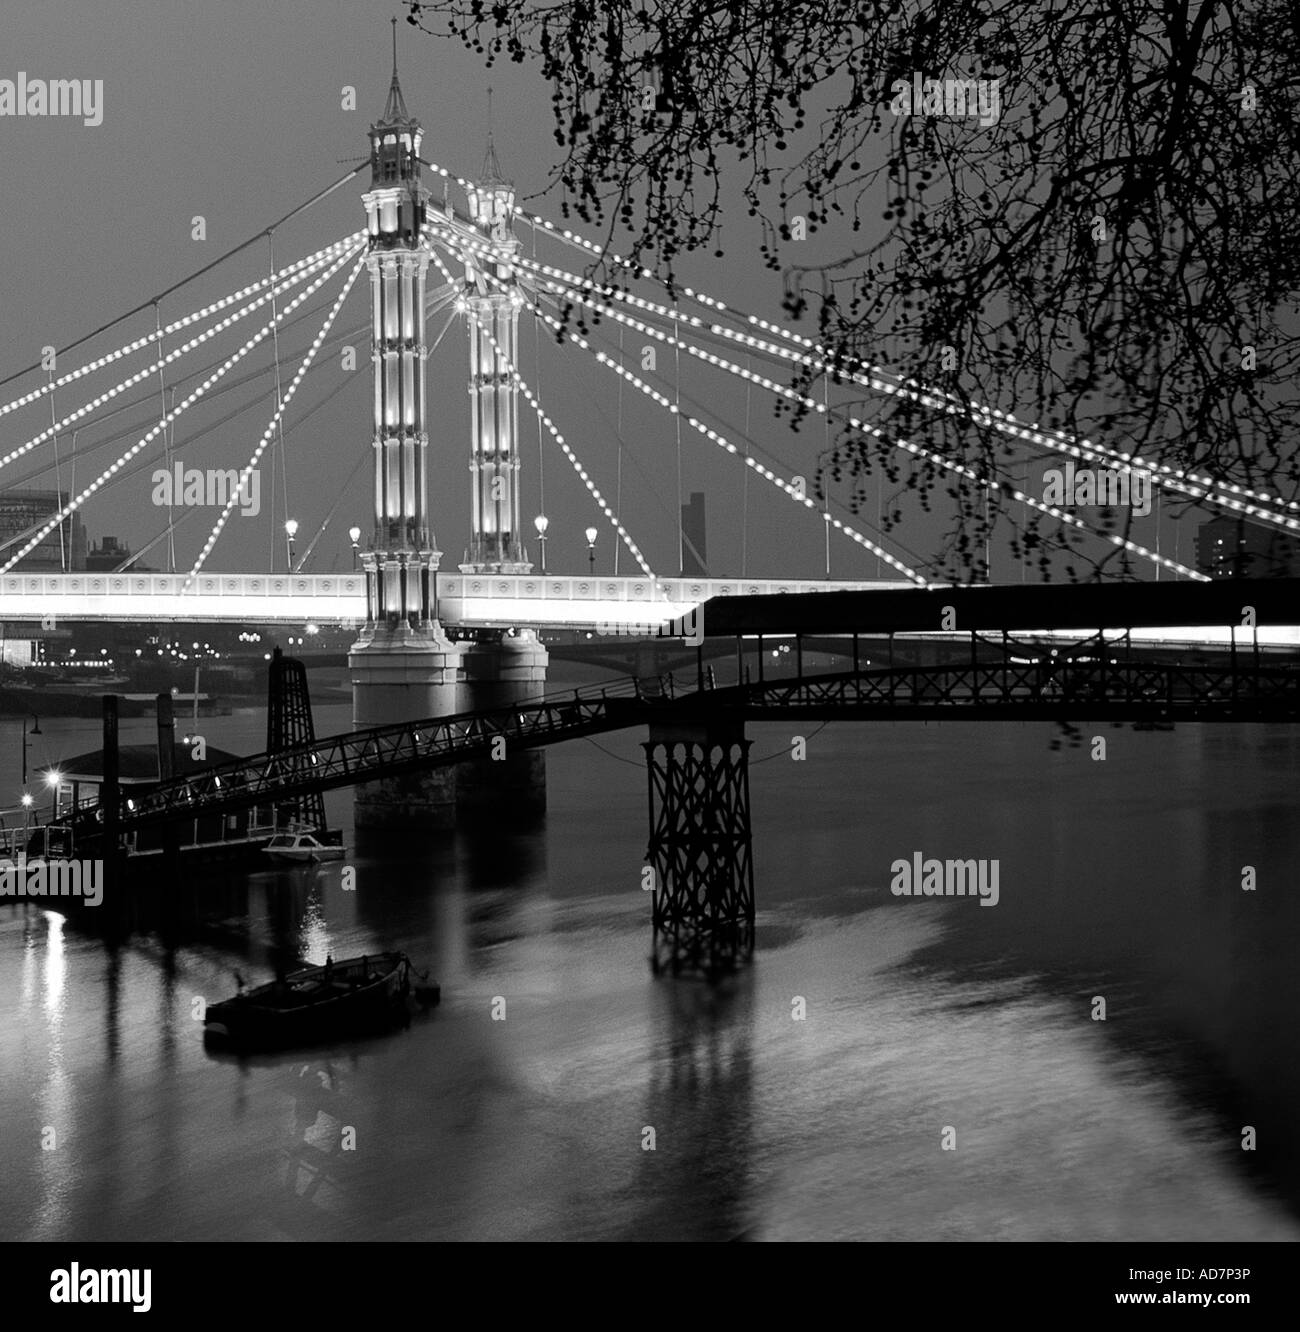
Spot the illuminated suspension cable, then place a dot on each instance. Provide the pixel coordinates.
(144, 373)
(1005, 422)
(541, 452)
(772, 386)
(144, 442)
(229, 386)
(312, 260)
(295, 425)
(1050, 510)
(275, 356)
(1132, 547)
(168, 438)
(58, 487)
(716, 438)
(275, 421)
(618, 434)
(1194, 485)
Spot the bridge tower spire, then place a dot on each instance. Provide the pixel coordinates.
(403, 665)
(496, 544)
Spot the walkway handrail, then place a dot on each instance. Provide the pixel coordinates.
(1039, 691)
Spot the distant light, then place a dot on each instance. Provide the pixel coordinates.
(27, 800)
(52, 778)
(541, 523)
(291, 528)
(354, 534)
(591, 535)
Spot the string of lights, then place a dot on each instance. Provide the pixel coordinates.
(1132, 547)
(152, 369)
(1193, 484)
(148, 438)
(310, 262)
(276, 417)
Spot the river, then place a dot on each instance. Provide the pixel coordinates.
(1119, 879)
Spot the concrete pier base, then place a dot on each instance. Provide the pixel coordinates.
(402, 674)
(497, 674)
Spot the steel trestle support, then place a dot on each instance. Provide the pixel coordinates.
(700, 846)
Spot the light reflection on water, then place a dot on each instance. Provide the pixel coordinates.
(919, 1016)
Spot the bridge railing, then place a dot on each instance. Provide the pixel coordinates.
(641, 591)
(153, 585)
(1067, 688)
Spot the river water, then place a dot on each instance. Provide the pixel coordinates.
(1119, 879)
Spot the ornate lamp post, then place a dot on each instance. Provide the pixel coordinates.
(541, 523)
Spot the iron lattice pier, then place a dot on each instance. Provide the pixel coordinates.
(700, 846)
(291, 732)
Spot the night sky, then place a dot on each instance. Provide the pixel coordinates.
(232, 111)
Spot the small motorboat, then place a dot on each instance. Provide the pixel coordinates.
(302, 847)
(344, 998)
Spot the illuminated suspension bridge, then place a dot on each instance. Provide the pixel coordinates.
(427, 705)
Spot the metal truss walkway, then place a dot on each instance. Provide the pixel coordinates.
(1093, 688)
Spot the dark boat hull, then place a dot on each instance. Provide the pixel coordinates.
(317, 1004)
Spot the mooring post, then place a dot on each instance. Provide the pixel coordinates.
(700, 845)
(166, 771)
(1232, 657)
(166, 738)
(110, 795)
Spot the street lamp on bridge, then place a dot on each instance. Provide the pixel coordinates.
(36, 730)
(354, 534)
(291, 531)
(541, 523)
(591, 535)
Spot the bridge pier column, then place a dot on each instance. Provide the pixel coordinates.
(403, 674)
(497, 674)
(700, 846)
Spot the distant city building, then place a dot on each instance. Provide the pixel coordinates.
(108, 555)
(1239, 548)
(23, 513)
(695, 549)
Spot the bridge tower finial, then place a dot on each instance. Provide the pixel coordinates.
(491, 173)
(395, 112)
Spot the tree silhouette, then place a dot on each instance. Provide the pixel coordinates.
(1113, 256)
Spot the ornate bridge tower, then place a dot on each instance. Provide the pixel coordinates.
(505, 666)
(496, 545)
(403, 665)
